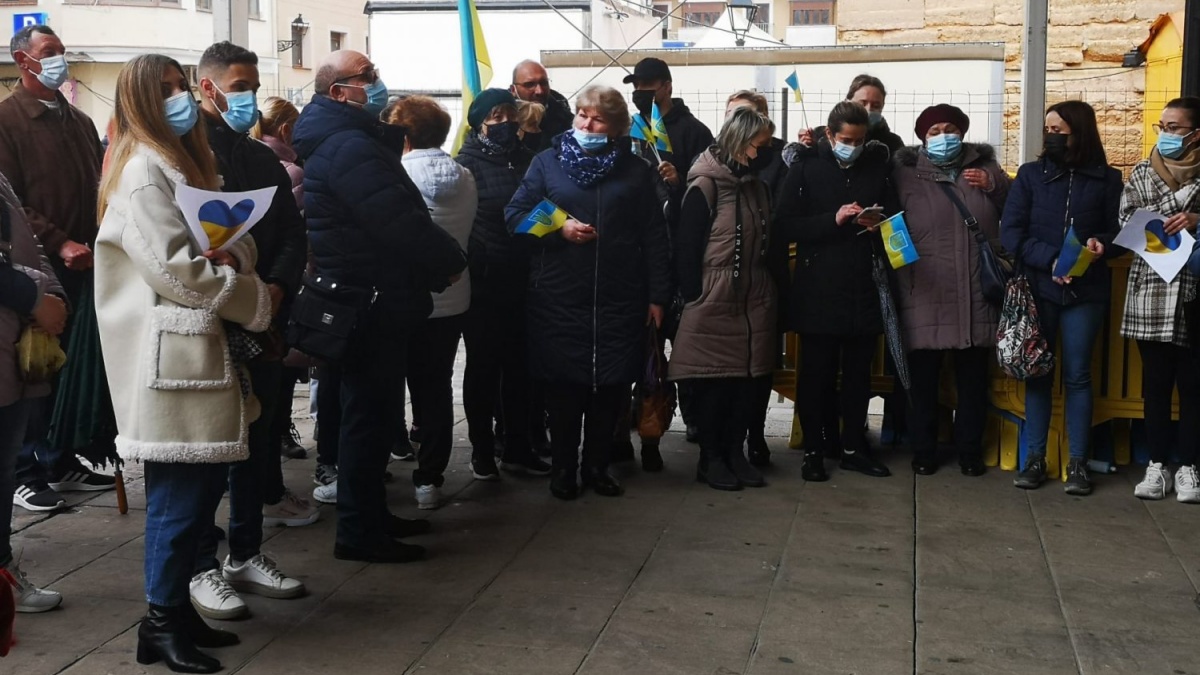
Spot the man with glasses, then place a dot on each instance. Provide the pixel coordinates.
(371, 233)
(530, 82)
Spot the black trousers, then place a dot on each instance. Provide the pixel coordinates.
(758, 408)
(971, 383)
(329, 414)
(1166, 367)
(497, 372)
(577, 409)
(723, 409)
(431, 354)
(821, 356)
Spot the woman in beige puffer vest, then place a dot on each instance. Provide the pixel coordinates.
(725, 342)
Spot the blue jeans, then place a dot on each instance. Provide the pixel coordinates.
(13, 420)
(37, 459)
(249, 479)
(1077, 325)
(181, 502)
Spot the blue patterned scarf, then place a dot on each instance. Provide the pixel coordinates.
(583, 169)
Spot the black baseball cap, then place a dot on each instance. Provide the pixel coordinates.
(649, 70)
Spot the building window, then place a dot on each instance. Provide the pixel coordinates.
(297, 47)
(136, 3)
(255, 9)
(337, 41)
(9, 3)
(811, 13)
(762, 18)
(658, 12)
(203, 5)
(697, 14)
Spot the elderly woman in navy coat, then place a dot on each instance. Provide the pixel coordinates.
(594, 285)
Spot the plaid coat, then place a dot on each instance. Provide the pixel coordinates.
(1153, 308)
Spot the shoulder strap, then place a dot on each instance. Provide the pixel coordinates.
(968, 219)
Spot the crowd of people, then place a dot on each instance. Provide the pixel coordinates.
(182, 359)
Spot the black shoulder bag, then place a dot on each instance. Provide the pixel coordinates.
(324, 316)
(994, 270)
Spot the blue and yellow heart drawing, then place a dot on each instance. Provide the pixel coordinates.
(221, 222)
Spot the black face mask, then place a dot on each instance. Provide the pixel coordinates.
(533, 139)
(644, 101)
(762, 160)
(1055, 146)
(502, 135)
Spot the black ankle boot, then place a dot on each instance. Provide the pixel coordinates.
(759, 454)
(746, 474)
(718, 474)
(563, 485)
(652, 460)
(163, 637)
(813, 470)
(203, 634)
(602, 482)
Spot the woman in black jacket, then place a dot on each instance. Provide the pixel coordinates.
(499, 264)
(594, 284)
(1070, 186)
(825, 209)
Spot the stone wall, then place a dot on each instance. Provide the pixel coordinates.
(1086, 42)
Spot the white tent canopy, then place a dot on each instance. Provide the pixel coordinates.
(720, 37)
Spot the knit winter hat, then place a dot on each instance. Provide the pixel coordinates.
(938, 114)
(482, 106)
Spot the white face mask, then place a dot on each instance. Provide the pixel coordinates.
(54, 71)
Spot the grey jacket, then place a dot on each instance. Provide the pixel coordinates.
(27, 257)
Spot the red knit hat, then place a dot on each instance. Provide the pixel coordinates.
(938, 114)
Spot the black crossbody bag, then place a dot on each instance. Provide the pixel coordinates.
(994, 270)
(324, 317)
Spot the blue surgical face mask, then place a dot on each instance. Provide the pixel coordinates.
(1171, 145)
(846, 153)
(590, 141)
(181, 112)
(54, 71)
(875, 118)
(241, 109)
(944, 147)
(377, 96)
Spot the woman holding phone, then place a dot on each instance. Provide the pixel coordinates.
(836, 194)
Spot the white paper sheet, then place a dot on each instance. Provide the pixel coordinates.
(1165, 254)
(221, 218)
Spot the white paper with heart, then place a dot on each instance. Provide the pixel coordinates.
(218, 219)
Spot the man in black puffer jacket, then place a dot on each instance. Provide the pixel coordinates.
(369, 228)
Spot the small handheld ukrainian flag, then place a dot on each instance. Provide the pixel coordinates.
(793, 81)
(640, 129)
(897, 242)
(1074, 258)
(659, 128)
(545, 218)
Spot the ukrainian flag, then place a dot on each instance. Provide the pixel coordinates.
(640, 129)
(545, 218)
(659, 129)
(477, 65)
(1074, 258)
(897, 243)
(793, 81)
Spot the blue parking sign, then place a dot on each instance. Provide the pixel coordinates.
(24, 20)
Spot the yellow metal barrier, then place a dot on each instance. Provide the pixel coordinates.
(1116, 381)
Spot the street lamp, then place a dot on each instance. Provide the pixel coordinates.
(748, 10)
(299, 30)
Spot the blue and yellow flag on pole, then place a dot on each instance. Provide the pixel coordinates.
(897, 243)
(793, 81)
(477, 65)
(545, 218)
(659, 128)
(1074, 258)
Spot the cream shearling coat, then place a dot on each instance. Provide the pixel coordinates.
(160, 306)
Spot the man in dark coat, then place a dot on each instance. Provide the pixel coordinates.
(229, 83)
(370, 231)
(530, 82)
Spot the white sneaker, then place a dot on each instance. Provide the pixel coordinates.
(429, 497)
(213, 597)
(291, 511)
(326, 494)
(1156, 484)
(260, 576)
(29, 598)
(1187, 485)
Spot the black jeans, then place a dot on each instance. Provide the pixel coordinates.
(497, 371)
(577, 409)
(1166, 367)
(971, 382)
(723, 409)
(431, 355)
(758, 407)
(329, 414)
(249, 479)
(820, 358)
(371, 392)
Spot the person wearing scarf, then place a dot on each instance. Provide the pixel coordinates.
(940, 296)
(594, 285)
(1159, 315)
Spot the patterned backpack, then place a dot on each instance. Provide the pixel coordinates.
(1021, 348)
